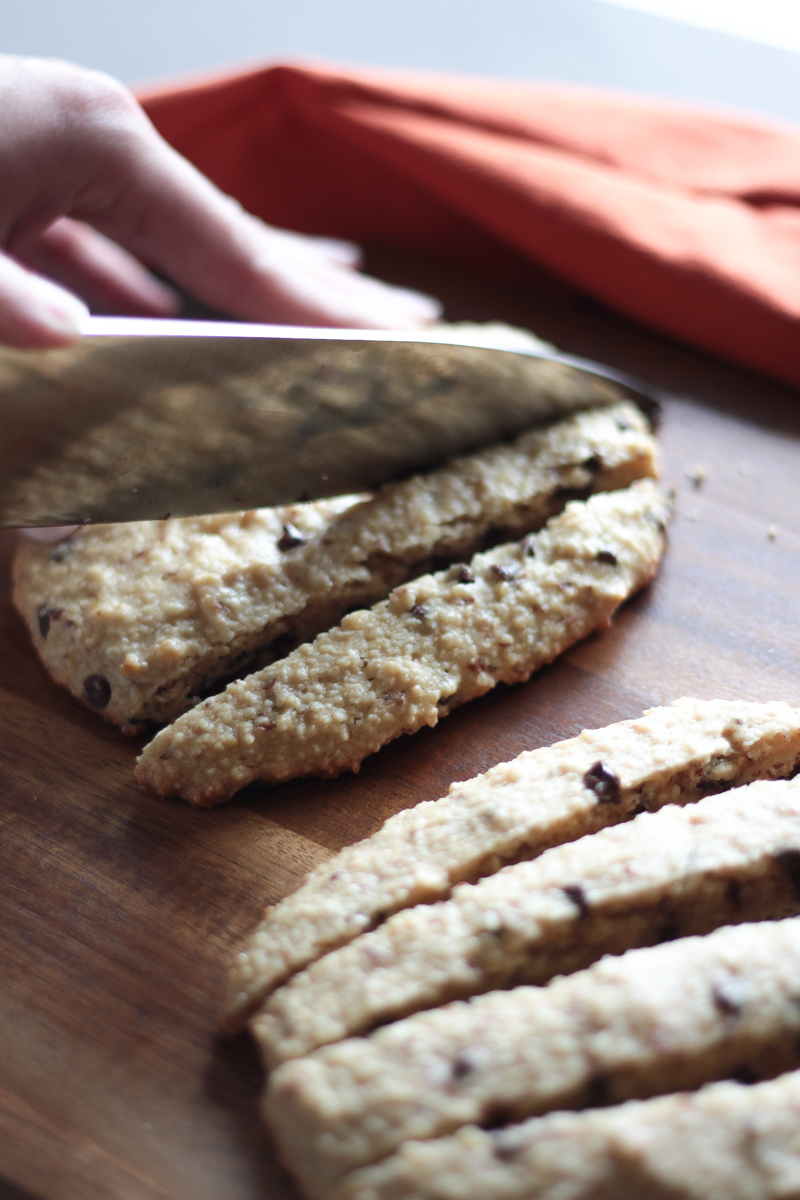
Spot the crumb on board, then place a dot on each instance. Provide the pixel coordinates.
(772, 532)
(697, 474)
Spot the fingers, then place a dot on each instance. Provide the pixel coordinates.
(108, 278)
(75, 143)
(170, 216)
(35, 313)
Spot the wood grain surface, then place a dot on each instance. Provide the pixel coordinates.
(118, 911)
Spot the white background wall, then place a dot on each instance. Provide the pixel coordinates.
(579, 40)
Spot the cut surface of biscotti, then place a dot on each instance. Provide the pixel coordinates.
(676, 872)
(649, 1022)
(436, 642)
(728, 1141)
(669, 755)
(160, 609)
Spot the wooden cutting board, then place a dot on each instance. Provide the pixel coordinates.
(118, 911)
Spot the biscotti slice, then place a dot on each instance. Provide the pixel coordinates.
(652, 1021)
(670, 755)
(436, 642)
(138, 620)
(727, 1141)
(465, 506)
(680, 871)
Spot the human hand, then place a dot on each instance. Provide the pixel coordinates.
(91, 193)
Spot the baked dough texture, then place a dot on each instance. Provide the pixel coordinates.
(652, 1021)
(669, 755)
(727, 1141)
(677, 872)
(159, 610)
(436, 642)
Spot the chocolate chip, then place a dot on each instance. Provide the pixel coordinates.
(529, 547)
(45, 615)
(592, 464)
(607, 558)
(506, 571)
(578, 897)
(419, 611)
(464, 573)
(291, 537)
(733, 893)
(60, 552)
(462, 1065)
(789, 862)
(97, 690)
(601, 780)
(498, 932)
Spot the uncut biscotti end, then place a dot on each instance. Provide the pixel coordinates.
(677, 872)
(132, 618)
(435, 643)
(728, 1141)
(669, 755)
(649, 1022)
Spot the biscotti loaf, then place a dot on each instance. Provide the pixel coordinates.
(138, 620)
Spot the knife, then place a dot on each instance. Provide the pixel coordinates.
(148, 418)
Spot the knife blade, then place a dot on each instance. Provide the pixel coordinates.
(147, 418)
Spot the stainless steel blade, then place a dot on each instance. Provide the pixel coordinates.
(150, 419)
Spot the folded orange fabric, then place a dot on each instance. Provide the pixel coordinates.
(684, 220)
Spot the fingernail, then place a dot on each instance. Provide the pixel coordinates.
(421, 309)
(56, 309)
(49, 533)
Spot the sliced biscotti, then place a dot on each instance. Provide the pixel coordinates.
(436, 642)
(680, 871)
(727, 1141)
(159, 610)
(461, 508)
(652, 1021)
(670, 755)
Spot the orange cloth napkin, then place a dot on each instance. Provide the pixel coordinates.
(684, 220)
